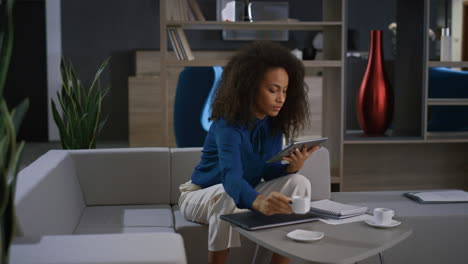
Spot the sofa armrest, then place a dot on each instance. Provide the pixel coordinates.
(123, 176)
(317, 170)
(183, 162)
(48, 196)
(138, 248)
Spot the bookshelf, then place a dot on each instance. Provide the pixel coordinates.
(446, 136)
(220, 62)
(408, 156)
(333, 14)
(283, 25)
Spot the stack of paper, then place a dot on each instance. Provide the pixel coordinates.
(335, 210)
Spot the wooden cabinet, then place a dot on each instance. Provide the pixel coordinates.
(407, 158)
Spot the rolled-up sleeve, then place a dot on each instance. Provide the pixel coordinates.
(229, 142)
(274, 170)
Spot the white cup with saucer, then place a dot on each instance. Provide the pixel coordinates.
(383, 218)
(300, 204)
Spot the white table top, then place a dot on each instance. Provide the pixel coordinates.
(347, 243)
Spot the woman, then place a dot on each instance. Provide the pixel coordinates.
(261, 97)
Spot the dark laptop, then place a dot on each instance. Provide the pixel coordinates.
(253, 220)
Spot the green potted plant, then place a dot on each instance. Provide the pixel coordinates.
(10, 150)
(80, 123)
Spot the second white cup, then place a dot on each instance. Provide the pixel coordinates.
(300, 204)
(383, 216)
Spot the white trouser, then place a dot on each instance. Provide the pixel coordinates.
(206, 205)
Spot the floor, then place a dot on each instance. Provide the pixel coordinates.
(33, 150)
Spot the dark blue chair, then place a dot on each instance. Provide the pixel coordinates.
(447, 83)
(192, 106)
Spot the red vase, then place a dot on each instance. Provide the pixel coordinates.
(375, 98)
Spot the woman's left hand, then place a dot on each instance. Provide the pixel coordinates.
(297, 157)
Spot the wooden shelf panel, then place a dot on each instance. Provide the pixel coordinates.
(323, 63)
(447, 101)
(355, 138)
(383, 140)
(335, 179)
(223, 62)
(197, 63)
(450, 64)
(358, 137)
(263, 25)
(447, 137)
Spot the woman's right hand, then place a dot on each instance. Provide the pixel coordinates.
(274, 203)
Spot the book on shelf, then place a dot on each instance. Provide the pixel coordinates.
(174, 43)
(183, 54)
(179, 43)
(196, 10)
(184, 10)
(331, 209)
(172, 10)
(439, 196)
(185, 45)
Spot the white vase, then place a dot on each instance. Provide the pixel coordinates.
(445, 45)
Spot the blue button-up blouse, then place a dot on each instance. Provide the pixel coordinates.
(235, 156)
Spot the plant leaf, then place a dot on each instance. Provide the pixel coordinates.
(7, 43)
(98, 74)
(81, 108)
(19, 112)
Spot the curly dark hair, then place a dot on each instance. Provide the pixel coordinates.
(235, 97)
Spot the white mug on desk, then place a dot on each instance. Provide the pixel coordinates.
(383, 216)
(300, 204)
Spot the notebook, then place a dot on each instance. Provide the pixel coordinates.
(332, 209)
(252, 220)
(448, 196)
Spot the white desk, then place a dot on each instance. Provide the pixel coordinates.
(347, 243)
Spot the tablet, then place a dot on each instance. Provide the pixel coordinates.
(285, 152)
(252, 220)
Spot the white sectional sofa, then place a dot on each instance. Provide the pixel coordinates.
(106, 196)
(120, 206)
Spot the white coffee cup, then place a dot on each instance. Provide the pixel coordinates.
(300, 204)
(383, 216)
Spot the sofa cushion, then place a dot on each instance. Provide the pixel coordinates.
(183, 161)
(122, 229)
(317, 169)
(163, 248)
(123, 176)
(103, 219)
(48, 196)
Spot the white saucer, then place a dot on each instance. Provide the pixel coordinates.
(305, 235)
(374, 224)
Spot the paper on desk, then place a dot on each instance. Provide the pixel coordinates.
(346, 220)
(443, 196)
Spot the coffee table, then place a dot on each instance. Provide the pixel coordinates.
(346, 243)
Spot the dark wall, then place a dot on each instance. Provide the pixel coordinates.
(27, 74)
(94, 30)
(366, 15)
